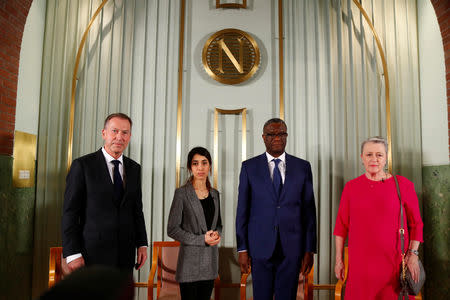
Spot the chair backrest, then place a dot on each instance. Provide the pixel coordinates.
(57, 266)
(165, 257)
(164, 265)
(309, 286)
(340, 284)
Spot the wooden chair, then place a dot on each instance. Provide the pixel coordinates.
(243, 287)
(310, 286)
(57, 266)
(164, 266)
(340, 284)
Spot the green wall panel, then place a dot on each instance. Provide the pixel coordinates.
(436, 196)
(16, 235)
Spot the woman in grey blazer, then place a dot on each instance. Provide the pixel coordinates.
(195, 222)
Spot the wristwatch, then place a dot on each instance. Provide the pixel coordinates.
(416, 252)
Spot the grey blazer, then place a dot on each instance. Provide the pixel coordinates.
(196, 260)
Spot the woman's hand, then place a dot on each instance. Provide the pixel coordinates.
(212, 238)
(413, 266)
(339, 269)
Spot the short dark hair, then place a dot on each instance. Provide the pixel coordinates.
(203, 152)
(274, 120)
(118, 115)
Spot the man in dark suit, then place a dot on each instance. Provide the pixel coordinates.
(102, 220)
(276, 217)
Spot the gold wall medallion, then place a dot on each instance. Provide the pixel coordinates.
(231, 56)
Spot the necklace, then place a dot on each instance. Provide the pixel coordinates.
(202, 194)
(200, 189)
(381, 178)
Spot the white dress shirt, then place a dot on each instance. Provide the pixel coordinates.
(110, 165)
(281, 165)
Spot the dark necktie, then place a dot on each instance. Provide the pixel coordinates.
(277, 182)
(118, 183)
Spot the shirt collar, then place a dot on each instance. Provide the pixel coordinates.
(282, 157)
(109, 158)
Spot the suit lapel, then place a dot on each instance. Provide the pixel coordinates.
(128, 178)
(103, 174)
(103, 168)
(196, 206)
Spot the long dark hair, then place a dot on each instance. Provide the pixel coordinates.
(203, 152)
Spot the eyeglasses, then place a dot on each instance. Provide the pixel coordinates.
(271, 136)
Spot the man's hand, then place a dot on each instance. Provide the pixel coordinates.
(141, 256)
(307, 263)
(75, 264)
(244, 262)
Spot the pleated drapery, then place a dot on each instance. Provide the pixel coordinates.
(334, 99)
(129, 64)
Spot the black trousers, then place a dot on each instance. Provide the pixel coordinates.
(197, 290)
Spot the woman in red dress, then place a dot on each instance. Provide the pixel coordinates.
(369, 216)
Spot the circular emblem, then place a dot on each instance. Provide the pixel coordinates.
(231, 56)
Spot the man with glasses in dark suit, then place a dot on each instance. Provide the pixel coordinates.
(276, 217)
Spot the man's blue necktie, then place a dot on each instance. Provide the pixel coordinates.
(118, 183)
(277, 182)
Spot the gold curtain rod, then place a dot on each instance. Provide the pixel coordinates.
(74, 84)
(386, 80)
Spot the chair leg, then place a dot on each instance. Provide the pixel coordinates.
(217, 289)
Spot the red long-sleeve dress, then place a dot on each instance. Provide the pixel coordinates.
(369, 216)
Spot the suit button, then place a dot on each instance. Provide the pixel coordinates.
(278, 206)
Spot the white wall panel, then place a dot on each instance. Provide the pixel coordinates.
(433, 89)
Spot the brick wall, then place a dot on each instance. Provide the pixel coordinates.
(442, 9)
(13, 14)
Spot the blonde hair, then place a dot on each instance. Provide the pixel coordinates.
(376, 140)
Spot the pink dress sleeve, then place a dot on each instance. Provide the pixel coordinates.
(411, 204)
(343, 216)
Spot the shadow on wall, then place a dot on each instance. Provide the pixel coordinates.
(230, 274)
